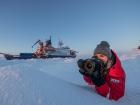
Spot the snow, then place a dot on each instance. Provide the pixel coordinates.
(58, 82)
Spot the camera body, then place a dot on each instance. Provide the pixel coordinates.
(93, 68)
(91, 65)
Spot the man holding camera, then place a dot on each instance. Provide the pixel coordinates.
(104, 70)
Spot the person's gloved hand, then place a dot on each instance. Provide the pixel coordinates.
(97, 78)
(83, 72)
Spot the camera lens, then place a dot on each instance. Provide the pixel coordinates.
(89, 65)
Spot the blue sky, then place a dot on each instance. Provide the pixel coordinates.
(81, 24)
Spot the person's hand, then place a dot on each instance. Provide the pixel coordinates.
(84, 73)
(97, 78)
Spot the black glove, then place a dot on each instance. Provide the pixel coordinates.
(97, 78)
(83, 72)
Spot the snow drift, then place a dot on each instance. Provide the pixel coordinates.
(58, 82)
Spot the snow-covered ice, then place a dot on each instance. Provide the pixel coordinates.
(58, 82)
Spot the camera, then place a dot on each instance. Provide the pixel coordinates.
(93, 68)
(90, 65)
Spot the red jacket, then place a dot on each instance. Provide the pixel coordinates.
(114, 86)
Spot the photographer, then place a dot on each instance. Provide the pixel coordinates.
(104, 70)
